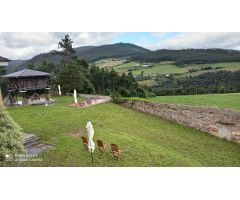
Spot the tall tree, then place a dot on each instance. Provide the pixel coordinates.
(66, 50)
(30, 66)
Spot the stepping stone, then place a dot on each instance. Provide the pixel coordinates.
(29, 139)
(33, 145)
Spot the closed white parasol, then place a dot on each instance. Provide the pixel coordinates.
(75, 96)
(59, 90)
(91, 144)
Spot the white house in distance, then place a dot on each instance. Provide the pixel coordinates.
(4, 61)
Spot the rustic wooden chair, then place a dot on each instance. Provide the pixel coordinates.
(115, 151)
(102, 147)
(85, 142)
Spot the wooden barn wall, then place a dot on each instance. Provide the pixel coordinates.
(28, 82)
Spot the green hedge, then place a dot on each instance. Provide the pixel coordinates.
(11, 136)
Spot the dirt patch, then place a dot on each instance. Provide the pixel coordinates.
(78, 133)
(90, 102)
(78, 105)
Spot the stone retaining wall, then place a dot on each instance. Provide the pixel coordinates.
(92, 96)
(221, 123)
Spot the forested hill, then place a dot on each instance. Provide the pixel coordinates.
(137, 53)
(92, 53)
(110, 51)
(189, 56)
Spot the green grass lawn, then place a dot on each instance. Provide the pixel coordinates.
(227, 101)
(146, 140)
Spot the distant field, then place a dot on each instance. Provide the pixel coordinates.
(105, 63)
(168, 68)
(214, 65)
(161, 69)
(148, 83)
(124, 67)
(156, 69)
(232, 66)
(226, 101)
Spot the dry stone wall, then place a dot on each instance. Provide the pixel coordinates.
(221, 123)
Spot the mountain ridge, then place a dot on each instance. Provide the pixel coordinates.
(137, 53)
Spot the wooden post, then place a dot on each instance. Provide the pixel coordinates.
(1, 99)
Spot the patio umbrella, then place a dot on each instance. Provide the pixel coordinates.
(59, 90)
(91, 144)
(75, 96)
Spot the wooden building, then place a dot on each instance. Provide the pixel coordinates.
(26, 80)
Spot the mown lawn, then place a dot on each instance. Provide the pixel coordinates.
(145, 139)
(227, 101)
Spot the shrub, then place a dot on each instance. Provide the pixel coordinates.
(221, 89)
(11, 136)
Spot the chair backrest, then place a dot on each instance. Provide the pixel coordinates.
(114, 148)
(85, 140)
(100, 143)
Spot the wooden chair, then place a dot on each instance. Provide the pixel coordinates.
(85, 142)
(102, 147)
(115, 151)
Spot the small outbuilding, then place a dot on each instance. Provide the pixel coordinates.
(26, 80)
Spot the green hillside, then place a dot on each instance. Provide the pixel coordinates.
(93, 53)
(185, 70)
(161, 69)
(190, 56)
(139, 54)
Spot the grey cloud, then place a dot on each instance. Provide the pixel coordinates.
(203, 40)
(24, 45)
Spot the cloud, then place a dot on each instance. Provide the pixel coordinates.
(201, 40)
(25, 45)
(93, 38)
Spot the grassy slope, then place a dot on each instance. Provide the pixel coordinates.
(227, 101)
(124, 67)
(158, 68)
(108, 63)
(213, 65)
(148, 83)
(161, 69)
(172, 69)
(145, 139)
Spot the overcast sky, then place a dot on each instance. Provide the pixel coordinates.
(26, 45)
